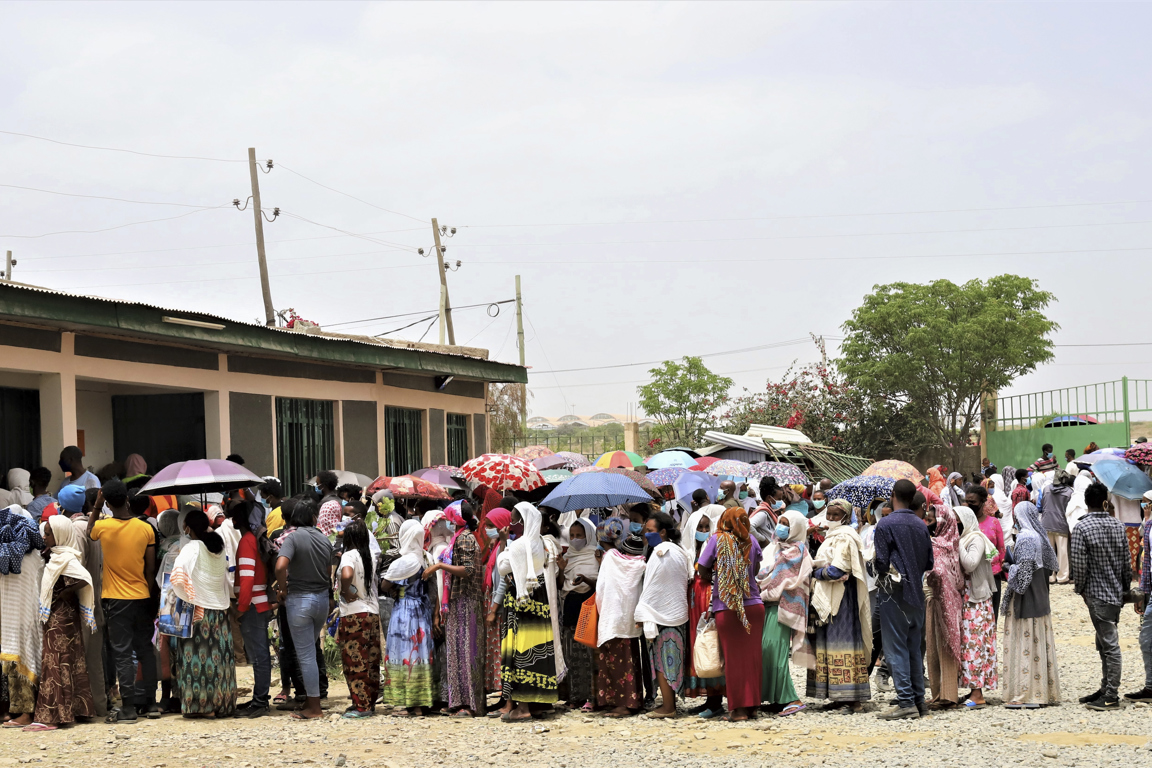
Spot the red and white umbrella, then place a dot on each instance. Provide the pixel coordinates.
(501, 472)
(407, 487)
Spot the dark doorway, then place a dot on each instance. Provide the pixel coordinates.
(19, 429)
(305, 441)
(163, 429)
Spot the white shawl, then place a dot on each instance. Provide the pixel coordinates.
(525, 557)
(617, 593)
(582, 562)
(413, 558)
(688, 538)
(664, 600)
(552, 548)
(1077, 507)
(201, 578)
(231, 538)
(65, 561)
(844, 549)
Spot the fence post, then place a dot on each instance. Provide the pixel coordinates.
(1127, 419)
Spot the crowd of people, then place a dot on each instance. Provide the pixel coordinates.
(491, 606)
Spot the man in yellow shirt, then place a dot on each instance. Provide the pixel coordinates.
(129, 549)
(272, 495)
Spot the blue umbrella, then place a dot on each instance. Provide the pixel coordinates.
(690, 481)
(592, 490)
(863, 490)
(1122, 478)
(1089, 459)
(667, 459)
(665, 476)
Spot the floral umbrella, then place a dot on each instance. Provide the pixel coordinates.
(407, 487)
(863, 490)
(501, 472)
(729, 467)
(582, 470)
(1140, 453)
(662, 477)
(534, 452)
(451, 470)
(786, 473)
(575, 460)
(895, 469)
(619, 459)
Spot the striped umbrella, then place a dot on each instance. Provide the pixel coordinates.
(591, 490)
(620, 459)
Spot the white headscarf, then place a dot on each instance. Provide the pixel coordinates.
(65, 561)
(972, 531)
(581, 562)
(1004, 504)
(18, 484)
(688, 536)
(412, 558)
(525, 557)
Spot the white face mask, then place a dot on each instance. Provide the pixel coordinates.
(833, 525)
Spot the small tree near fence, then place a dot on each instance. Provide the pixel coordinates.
(683, 398)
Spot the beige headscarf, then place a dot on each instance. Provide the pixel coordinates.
(65, 561)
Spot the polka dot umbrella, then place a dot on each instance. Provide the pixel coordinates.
(501, 472)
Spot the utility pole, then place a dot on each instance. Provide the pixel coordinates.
(269, 312)
(445, 304)
(520, 343)
(8, 264)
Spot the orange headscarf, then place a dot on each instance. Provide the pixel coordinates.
(936, 481)
(735, 521)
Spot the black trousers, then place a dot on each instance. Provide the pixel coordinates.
(290, 675)
(128, 625)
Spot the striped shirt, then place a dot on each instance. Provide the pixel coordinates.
(251, 576)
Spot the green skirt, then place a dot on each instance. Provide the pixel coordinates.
(205, 667)
(776, 647)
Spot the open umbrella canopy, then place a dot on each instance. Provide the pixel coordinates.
(1140, 453)
(863, 490)
(682, 449)
(729, 467)
(705, 461)
(407, 487)
(451, 470)
(639, 478)
(688, 482)
(344, 477)
(788, 474)
(501, 472)
(895, 469)
(188, 478)
(668, 459)
(595, 489)
(555, 461)
(575, 460)
(662, 477)
(534, 452)
(555, 475)
(1122, 478)
(620, 459)
(1089, 459)
(438, 477)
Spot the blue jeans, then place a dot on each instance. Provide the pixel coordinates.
(307, 613)
(1146, 643)
(254, 628)
(902, 628)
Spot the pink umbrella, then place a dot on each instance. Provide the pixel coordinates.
(437, 476)
(501, 472)
(200, 476)
(554, 461)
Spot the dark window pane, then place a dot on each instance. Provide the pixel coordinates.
(304, 440)
(403, 440)
(457, 439)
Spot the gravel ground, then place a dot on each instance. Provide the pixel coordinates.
(1066, 735)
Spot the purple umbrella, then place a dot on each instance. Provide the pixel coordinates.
(189, 478)
(555, 461)
(437, 477)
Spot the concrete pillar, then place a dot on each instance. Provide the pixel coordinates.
(338, 434)
(381, 441)
(57, 419)
(217, 425)
(632, 437)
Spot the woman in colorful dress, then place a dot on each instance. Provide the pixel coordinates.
(841, 644)
(699, 529)
(359, 633)
(785, 586)
(663, 609)
(66, 602)
(205, 666)
(943, 607)
(496, 524)
(977, 622)
(409, 683)
(619, 674)
(581, 567)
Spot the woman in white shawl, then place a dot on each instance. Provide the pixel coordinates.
(619, 678)
(408, 682)
(21, 637)
(977, 620)
(694, 533)
(1004, 505)
(841, 642)
(66, 603)
(532, 661)
(581, 567)
(663, 608)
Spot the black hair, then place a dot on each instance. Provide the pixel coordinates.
(1021, 475)
(918, 500)
(89, 499)
(356, 506)
(353, 490)
(768, 487)
(664, 522)
(111, 470)
(272, 488)
(72, 454)
(327, 480)
(979, 490)
(700, 496)
(40, 476)
(356, 540)
(1047, 447)
(905, 492)
(509, 502)
(239, 512)
(641, 508)
(235, 458)
(469, 516)
(198, 522)
(549, 528)
(989, 470)
(303, 514)
(1095, 495)
(115, 492)
(1070, 453)
(138, 502)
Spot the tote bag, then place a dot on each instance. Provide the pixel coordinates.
(175, 615)
(706, 653)
(586, 624)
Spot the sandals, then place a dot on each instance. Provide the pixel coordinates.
(354, 714)
(708, 714)
(662, 715)
(38, 727)
(281, 698)
(588, 708)
(462, 714)
(973, 705)
(792, 709)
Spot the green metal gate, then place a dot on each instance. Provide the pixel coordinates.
(457, 429)
(305, 442)
(403, 440)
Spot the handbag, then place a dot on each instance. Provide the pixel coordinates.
(706, 652)
(175, 617)
(586, 625)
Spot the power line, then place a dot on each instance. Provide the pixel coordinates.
(536, 336)
(102, 197)
(357, 199)
(115, 149)
(346, 232)
(109, 229)
(197, 265)
(774, 345)
(417, 322)
(409, 314)
(807, 216)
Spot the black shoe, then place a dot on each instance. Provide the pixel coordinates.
(125, 715)
(254, 711)
(153, 712)
(1104, 705)
(1144, 695)
(922, 708)
(1089, 699)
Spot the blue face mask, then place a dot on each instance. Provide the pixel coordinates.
(343, 502)
(777, 506)
(491, 532)
(653, 538)
(782, 531)
(702, 535)
(450, 526)
(635, 527)
(819, 503)
(743, 495)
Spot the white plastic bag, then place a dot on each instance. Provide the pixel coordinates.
(706, 653)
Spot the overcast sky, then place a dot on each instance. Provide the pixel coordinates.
(667, 178)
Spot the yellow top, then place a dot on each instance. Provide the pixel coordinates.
(123, 543)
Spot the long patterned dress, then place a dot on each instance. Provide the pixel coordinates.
(528, 657)
(495, 642)
(841, 672)
(408, 676)
(978, 645)
(619, 680)
(464, 631)
(581, 659)
(65, 692)
(205, 666)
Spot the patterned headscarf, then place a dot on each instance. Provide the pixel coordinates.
(946, 578)
(1009, 475)
(610, 530)
(1032, 552)
(733, 547)
(497, 518)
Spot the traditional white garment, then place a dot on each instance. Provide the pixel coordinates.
(525, 557)
(201, 578)
(21, 636)
(1004, 504)
(413, 559)
(231, 538)
(66, 561)
(688, 538)
(1077, 506)
(551, 573)
(664, 598)
(617, 594)
(843, 549)
(19, 489)
(582, 562)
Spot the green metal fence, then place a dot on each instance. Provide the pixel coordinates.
(589, 445)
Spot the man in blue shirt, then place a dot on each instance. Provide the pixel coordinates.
(903, 556)
(72, 463)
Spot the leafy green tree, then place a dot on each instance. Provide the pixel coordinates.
(683, 397)
(928, 352)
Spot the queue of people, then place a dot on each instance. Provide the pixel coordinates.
(489, 606)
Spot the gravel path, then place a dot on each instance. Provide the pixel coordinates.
(1066, 735)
